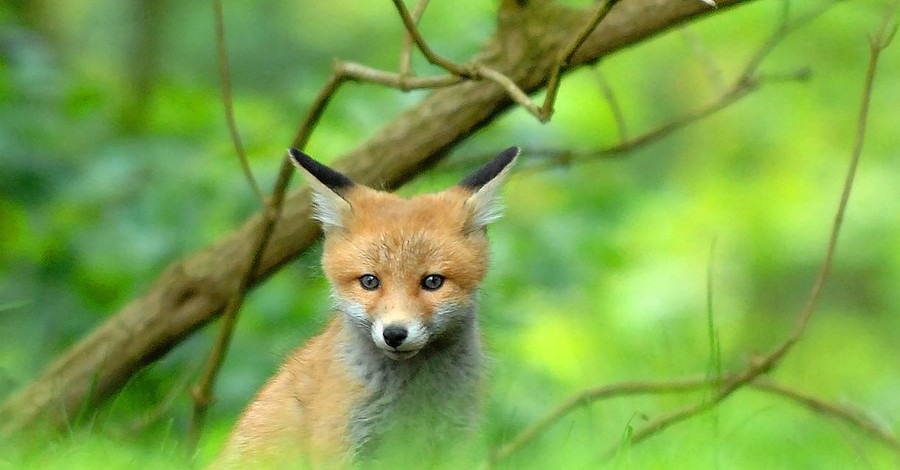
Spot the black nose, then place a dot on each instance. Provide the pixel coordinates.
(394, 335)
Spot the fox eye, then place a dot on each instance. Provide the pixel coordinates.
(369, 282)
(432, 282)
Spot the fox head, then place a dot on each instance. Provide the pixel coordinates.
(405, 272)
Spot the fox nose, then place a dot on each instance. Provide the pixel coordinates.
(394, 335)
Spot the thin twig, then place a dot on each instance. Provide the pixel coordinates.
(225, 77)
(477, 71)
(557, 157)
(614, 106)
(829, 409)
(550, 157)
(406, 51)
(202, 391)
(785, 27)
(713, 72)
(547, 158)
(748, 80)
(510, 86)
(362, 73)
(683, 385)
(162, 410)
(546, 110)
(461, 70)
(589, 396)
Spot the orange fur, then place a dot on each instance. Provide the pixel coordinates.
(298, 413)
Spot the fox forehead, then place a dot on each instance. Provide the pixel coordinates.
(391, 236)
(372, 210)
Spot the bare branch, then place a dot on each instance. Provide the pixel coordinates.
(555, 157)
(883, 37)
(713, 72)
(565, 157)
(586, 397)
(785, 27)
(225, 77)
(749, 80)
(410, 23)
(614, 105)
(477, 71)
(362, 73)
(683, 385)
(553, 84)
(406, 51)
(202, 391)
(514, 91)
(829, 409)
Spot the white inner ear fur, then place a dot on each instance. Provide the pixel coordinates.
(486, 205)
(328, 207)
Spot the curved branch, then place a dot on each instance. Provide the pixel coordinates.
(410, 23)
(830, 409)
(586, 397)
(225, 77)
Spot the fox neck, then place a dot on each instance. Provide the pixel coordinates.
(440, 384)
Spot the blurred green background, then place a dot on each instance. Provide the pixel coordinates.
(115, 160)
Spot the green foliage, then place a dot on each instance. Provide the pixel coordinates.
(116, 161)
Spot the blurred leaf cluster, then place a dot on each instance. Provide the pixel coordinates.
(115, 160)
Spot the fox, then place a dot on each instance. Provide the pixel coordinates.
(401, 359)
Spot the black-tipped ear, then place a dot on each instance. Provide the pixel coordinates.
(328, 188)
(335, 181)
(484, 203)
(490, 170)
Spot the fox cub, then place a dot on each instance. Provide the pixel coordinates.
(401, 361)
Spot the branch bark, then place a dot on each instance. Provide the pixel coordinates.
(193, 291)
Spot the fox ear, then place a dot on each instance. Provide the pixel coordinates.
(328, 186)
(484, 203)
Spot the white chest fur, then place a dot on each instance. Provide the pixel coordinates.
(425, 400)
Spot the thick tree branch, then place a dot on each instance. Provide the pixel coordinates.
(194, 290)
